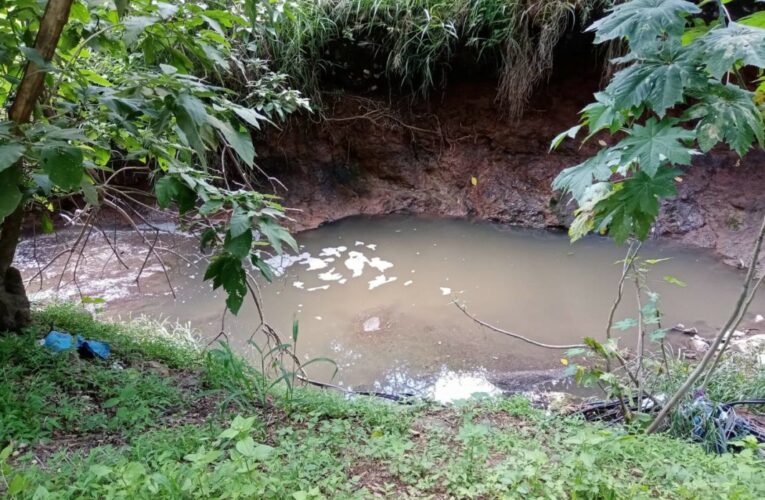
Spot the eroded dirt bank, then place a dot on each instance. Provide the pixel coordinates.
(373, 156)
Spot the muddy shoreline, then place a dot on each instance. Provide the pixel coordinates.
(459, 156)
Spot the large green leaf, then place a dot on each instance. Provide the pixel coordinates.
(634, 205)
(577, 179)
(727, 113)
(10, 154)
(63, 164)
(602, 114)
(656, 143)
(642, 21)
(239, 246)
(657, 81)
(241, 142)
(135, 26)
(169, 188)
(240, 222)
(10, 195)
(276, 234)
(722, 48)
(226, 270)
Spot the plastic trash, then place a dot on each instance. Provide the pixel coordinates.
(57, 341)
(92, 348)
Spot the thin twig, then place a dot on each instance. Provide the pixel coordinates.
(515, 335)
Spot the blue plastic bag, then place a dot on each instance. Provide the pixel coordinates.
(58, 341)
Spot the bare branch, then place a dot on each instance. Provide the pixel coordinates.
(515, 335)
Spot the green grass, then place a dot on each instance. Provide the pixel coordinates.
(414, 43)
(306, 443)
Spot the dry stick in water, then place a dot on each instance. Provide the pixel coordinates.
(515, 335)
(741, 305)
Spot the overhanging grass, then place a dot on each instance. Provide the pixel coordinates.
(415, 41)
(313, 443)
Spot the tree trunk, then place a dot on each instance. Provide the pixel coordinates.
(14, 304)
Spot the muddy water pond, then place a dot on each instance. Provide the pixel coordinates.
(375, 295)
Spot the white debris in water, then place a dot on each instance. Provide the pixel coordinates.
(359, 244)
(330, 275)
(445, 290)
(372, 246)
(280, 263)
(329, 259)
(379, 264)
(332, 251)
(372, 324)
(381, 280)
(759, 318)
(355, 262)
(407, 283)
(298, 284)
(343, 281)
(314, 263)
(315, 288)
(318, 318)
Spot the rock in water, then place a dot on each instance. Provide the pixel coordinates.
(372, 324)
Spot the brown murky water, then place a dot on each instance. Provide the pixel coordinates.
(375, 295)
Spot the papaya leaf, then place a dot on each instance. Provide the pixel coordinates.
(656, 143)
(642, 21)
(722, 48)
(727, 113)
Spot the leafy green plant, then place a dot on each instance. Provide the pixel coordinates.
(96, 91)
(412, 44)
(680, 90)
(673, 97)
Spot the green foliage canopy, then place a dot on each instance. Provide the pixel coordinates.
(164, 88)
(683, 88)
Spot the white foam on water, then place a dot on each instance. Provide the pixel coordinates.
(315, 288)
(355, 262)
(330, 275)
(445, 290)
(280, 263)
(372, 246)
(381, 280)
(379, 264)
(314, 263)
(407, 283)
(298, 284)
(332, 251)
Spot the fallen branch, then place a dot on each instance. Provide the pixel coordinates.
(515, 335)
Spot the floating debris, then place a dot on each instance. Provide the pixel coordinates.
(381, 280)
(330, 275)
(372, 324)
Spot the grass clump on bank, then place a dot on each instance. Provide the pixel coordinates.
(168, 421)
(415, 43)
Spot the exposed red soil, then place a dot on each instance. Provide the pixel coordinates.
(375, 156)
